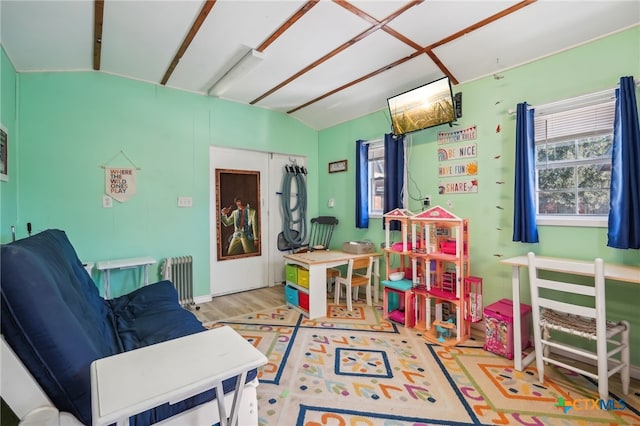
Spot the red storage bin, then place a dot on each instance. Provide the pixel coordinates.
(499, 327)
(303, 300)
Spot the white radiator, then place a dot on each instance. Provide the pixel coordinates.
(179, 270)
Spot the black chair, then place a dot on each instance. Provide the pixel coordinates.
(322, 228)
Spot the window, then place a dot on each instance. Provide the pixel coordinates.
(376, 179)
(573, 142)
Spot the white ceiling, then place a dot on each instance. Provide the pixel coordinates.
(328, 65)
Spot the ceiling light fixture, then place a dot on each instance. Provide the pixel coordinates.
(248, 61)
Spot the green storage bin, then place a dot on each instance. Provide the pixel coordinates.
(291, 273)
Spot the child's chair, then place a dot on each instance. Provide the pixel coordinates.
(358, 275)
(578, 310)
(332, 274)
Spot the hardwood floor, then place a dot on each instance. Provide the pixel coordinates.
(245, 302)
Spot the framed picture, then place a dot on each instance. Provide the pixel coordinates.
(4, 154)
(338, 166)
(238, 214)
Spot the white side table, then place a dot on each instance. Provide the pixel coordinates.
(133, 262)
(89, 267)
(131, 382)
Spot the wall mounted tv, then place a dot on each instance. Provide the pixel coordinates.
(423, 107)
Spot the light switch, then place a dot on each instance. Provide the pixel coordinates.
(107, 202)
(185, 202)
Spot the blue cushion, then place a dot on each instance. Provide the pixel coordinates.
(152, 314)
(55, 320)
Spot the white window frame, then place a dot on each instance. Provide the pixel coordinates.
(375, 144)
(604, 103)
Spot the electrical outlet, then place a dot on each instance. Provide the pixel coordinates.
(107, 202)
(426, 201)
(185, 202)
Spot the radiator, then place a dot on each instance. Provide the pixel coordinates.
(179, 270)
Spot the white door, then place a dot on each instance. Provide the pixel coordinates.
(235, 274)
(277, 165)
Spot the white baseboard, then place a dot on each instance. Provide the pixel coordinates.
(202, 299)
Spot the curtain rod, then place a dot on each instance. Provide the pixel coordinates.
(373, 141)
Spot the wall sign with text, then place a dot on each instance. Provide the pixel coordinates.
(338, 166)
(120, 183)
(455, 145)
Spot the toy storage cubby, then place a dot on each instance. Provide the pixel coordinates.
(297, 288)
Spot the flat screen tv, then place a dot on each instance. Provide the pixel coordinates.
(423, 107)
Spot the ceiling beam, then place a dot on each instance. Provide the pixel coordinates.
(484, 22)
(358, 80)
(98, 16)
(288, 24)
(204, 12)
(427, 50)
(376, 26)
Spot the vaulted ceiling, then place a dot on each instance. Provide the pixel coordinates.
(323, 62)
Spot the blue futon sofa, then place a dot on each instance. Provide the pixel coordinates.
(56, 322)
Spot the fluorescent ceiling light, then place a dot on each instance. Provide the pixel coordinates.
(249, 61)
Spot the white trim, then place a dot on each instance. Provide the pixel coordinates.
(374, 142)
(574, 101)
(580, 101)
(584, 221)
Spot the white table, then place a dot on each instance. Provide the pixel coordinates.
(317, 263)
(89, 267)
(132, 382)
(133, 262)
(612, 271)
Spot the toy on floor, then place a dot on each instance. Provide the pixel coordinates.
(444, 329)
(397, 315)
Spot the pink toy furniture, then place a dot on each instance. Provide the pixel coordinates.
(499, 327)
(404, 313)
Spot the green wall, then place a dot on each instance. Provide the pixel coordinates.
(486, 102)
(71, 124)
(8, 189)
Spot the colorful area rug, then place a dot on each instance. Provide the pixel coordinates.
(355, 368)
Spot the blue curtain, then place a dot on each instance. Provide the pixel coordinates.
(362, 184)
(525, 229)
(393, 175)
(624, 212)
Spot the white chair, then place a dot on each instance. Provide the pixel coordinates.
(332, 274)
(358, 275)
(578, 310)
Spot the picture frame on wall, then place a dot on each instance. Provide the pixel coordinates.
(4, 154)
(338, 166)
(238, 214)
